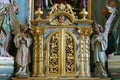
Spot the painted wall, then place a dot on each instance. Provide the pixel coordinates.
(23, 8)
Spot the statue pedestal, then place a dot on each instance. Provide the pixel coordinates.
(114, 67)
(6, 67)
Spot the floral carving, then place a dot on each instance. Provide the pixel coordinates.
(70, 56)
(53, 54)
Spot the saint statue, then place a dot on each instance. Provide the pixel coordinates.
(100, 44)
(22, 42)
(8, 22)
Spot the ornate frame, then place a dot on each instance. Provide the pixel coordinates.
(31, 9)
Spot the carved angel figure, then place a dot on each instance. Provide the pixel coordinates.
(22, 42)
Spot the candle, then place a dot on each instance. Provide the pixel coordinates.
(39, 3)
(84, 3)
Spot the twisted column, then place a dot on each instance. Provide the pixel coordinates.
(82, 44)
(87, 56)
(35, 52)
(84, 51)
(38, 51)
(87, 33)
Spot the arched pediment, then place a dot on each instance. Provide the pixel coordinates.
(69, 16)
(61, 9)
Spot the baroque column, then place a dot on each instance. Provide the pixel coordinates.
(84, 51)
(82, 44)
(38, 51)
(35, 50)
(87, 51)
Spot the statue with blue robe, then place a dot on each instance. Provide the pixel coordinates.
(100, 44)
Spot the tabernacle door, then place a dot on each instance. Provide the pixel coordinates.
(61, 54)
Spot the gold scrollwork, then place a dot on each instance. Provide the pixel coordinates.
(53, 54)
(70, 56)
(61, 60)
(66, 8)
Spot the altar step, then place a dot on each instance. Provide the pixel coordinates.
(34, 78)
(114, 67)
(6, 68)
(114, 64)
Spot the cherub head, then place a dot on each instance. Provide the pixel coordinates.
(98, 29)
(61, 18)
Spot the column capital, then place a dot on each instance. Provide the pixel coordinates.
(85, 31)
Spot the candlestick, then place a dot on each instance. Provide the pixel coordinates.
(84, 3)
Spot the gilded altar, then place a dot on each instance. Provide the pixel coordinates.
(61, 48)
(56, 43)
